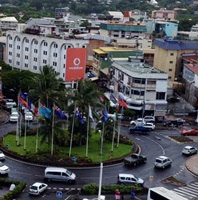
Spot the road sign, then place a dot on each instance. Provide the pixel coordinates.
(151, 178)
(59, 194)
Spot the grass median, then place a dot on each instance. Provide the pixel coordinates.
(62, 152)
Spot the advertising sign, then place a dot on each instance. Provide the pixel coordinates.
(75, 64)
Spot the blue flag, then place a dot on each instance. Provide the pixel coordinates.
(23, 95)
(58, 112)
(46, 112)
(105, 115)
(79, 115)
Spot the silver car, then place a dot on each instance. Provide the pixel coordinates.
(189, 150)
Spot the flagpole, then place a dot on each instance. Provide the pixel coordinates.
(17, 125)
(113, 133)
(119, 126)
(37, 132)
(101, 164)
(52, 145)
(25, 137)
(87, 143)
(72, 131)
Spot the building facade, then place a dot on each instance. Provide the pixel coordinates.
(143, 87)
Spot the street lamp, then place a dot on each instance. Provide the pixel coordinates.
(197, 118)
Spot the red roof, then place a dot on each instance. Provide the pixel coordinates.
(126, 14)
(193, 68)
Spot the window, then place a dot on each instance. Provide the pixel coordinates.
(18, 55)
(170, 62)
(45, 44)
(26, 49)
(65, 47)
(17, 63)
(83, 46)
(26, 57)
(54, 63)
(171, 54)
(26, 65)
(10, 45)
(26, 40)
(63, 75)
(18, 39)
(10, 53)
(35, 51)
(44, 52)
(170, 70)
(55, 54)
(169, 77)
(35, 67)
(35, 42)
(160, 95)
(151, 82)
(139, 80)
(64, 56)
(55, 45)
(63, 65)
(10, 61)
(18, 47)
(44, 61)
(35, 59)
(10, 38)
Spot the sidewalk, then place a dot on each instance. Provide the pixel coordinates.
(192, 165)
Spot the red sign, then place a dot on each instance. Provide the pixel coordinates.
(75, 64)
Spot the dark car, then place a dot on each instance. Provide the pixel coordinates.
(139, 129)
(176, 122)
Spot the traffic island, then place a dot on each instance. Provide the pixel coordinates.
(174, 181)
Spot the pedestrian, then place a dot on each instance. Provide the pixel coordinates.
(123, 197)
(132, 193)
(117, 194)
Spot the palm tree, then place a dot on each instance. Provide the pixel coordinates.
(87, 94)
(49, 90)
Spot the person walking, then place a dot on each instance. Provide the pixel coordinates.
(117, 194)
(132, 193)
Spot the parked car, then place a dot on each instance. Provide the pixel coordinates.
(134, 159)
(139, 128)
(149, 119)
(2, 156)
(129, 179)
(37, 188)
(189, 150)
(150, 126)
(28, 116)
(4, 169)
(190, 132)
(14, 117)
(176, 122)
(137, 121)
(162, 162)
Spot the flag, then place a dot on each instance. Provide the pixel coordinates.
(105, 115)
(23, 95)
(90, 113)
(32, 108)
(79, 115)
(58, 112)
(113, 99)
(46, 112)
(121, 102)
(23, 102)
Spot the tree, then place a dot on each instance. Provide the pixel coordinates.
(86, 94)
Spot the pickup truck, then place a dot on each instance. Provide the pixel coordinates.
(134, 159)
(140, 129)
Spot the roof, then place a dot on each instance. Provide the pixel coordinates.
(116, 14)
(170, 44)
(193, 68)
(99, 51)
(8, 19)
(126, 14)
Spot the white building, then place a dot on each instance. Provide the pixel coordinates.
(143, 87)
(29, 51)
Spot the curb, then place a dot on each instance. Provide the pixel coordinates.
(189, 166)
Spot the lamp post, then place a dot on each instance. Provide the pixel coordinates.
(197, 118)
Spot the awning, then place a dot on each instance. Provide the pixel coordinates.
(93, 79)
(98, 51)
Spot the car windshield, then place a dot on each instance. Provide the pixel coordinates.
(1, 164)
(33, 187)
(69, 172)
(158, 161)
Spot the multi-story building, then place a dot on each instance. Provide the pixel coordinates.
(60, 12)
(168, 55)
(164, 14)
(8, 23)
(144, 88)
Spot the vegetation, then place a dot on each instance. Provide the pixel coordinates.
(181, 139)
(92, 189)
(19, 187)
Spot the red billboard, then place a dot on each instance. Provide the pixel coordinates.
(75, 64)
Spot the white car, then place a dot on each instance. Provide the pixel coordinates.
(37, 188)
(137, 121)
(28, 116)
(14, 117)
(189, 150)
(2, 156)
(4, 169)
(162, 162)
(149, 119)
(150, 126)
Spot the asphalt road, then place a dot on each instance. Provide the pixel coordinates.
(152, 145)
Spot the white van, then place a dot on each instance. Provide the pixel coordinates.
(59, 174)
(129, 179)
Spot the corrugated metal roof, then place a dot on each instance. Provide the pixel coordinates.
(193, 68)
(8, 19)
(176, 44)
